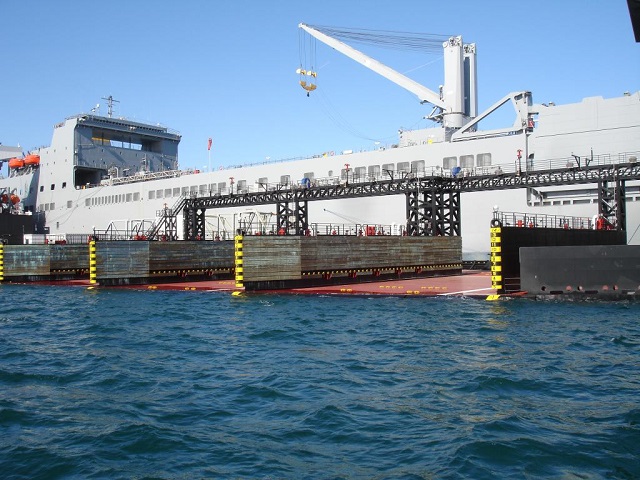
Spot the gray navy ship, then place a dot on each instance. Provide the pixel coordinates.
(104, 173)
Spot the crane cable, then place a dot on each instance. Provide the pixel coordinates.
(424, 42)
(306, 70)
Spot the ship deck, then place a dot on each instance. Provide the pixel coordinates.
(472, 283)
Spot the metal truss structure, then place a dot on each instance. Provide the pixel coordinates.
(433, 202)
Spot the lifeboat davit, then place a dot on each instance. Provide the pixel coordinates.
(16, 163)
(32, 160)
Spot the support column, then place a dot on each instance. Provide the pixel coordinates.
(449, 213)
(169, 222)
(194, 223)
(433, 212)
(621, 205)
(606, 201)
(283, 214)
(200, 223)
(612, 203)
(302, 217)
(420, 213)
(189, 223)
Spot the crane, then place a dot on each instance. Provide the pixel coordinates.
(451, 107)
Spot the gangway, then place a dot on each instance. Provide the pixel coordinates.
(433, 201)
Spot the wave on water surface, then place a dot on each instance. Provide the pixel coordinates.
(131, 384)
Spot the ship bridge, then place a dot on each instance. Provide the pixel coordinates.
(118, 148)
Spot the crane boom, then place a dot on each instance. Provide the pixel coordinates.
(423, 93)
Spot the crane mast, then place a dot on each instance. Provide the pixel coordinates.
(454, 106)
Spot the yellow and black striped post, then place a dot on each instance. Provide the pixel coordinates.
(239, 261)
(93, 270)
(496, 256)
(1, 261)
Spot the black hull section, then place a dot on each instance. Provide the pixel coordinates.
(13, 227)
(608, 271)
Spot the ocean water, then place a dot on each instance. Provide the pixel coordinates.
(157, 384)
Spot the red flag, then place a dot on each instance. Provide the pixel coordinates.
(209, 145)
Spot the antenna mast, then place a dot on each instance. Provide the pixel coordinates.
(110, 101)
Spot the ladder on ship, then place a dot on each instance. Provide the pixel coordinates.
(166, 225)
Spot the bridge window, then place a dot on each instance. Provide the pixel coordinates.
(87, 202)
(330, 173)
(387, 170)
(69, 203)
(360, 173)
(417, 167)
(466, 161)
(242, 186)
(167, 193)
(184, 191)
(449, 162)
(202, 189)
(176, 192)
(263, 181)
(159, 193)
(152, 195)
(285, 179)
(484, 159)
(222, 186)
(128, 198)
(136, 197)
(194, 189)
(374, 172)
(213, 188)
(308, 175)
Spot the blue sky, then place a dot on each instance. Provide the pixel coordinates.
(226, 69)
